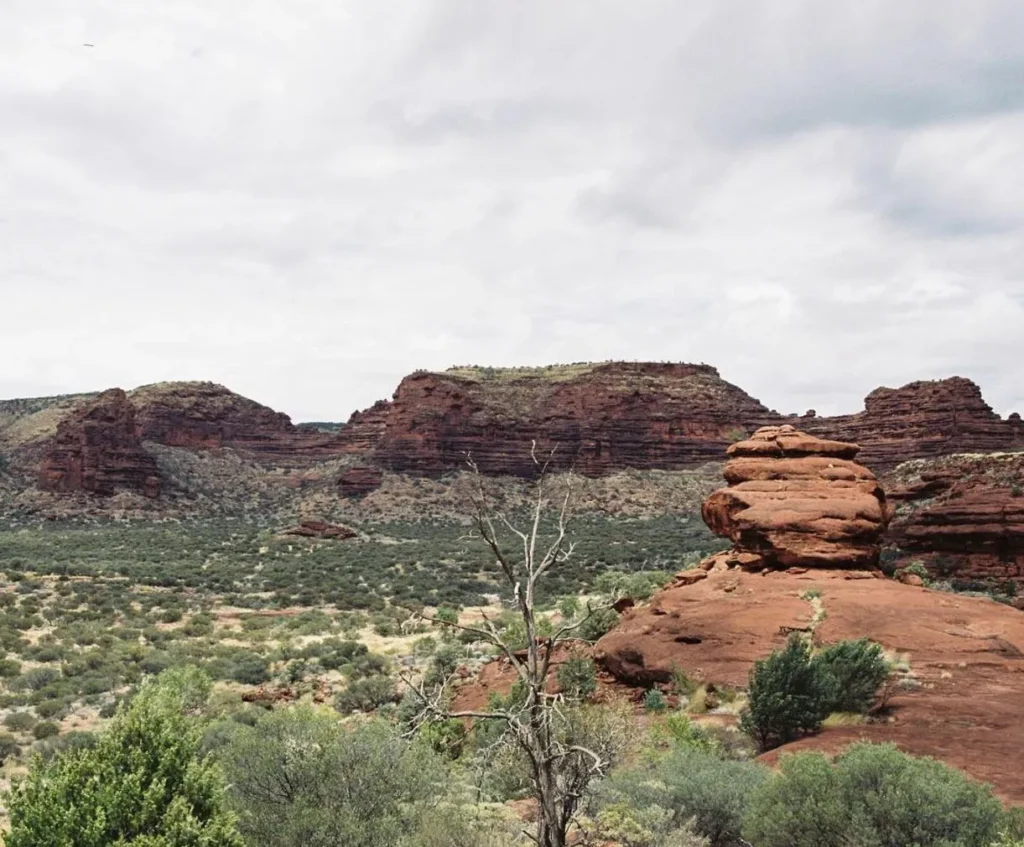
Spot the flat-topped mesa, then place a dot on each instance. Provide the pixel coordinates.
(96, 450)
(598, 418)
(794, 500)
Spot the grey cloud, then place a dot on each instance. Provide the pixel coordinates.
(309, 200)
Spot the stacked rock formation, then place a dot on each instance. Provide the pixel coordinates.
(96, 450)
(795, 500)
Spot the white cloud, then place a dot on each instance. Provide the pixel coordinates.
(306, 201)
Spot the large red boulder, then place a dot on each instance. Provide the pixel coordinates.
(797, 500)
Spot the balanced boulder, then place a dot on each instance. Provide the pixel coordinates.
(795, 500)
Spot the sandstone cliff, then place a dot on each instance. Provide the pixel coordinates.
(601, 418)
(96, 449)
(608, 417)
(919, 420)
(204, 415)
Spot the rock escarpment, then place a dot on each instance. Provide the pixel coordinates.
(920, 420)
(794, 500)
(204, 415)
(601, 418)
(963, 516)
(97, 450)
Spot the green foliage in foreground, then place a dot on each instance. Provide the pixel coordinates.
(300, 779)
(143, 784)
(872, 795)
(691, 784)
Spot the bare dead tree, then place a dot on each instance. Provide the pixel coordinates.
(562, 760)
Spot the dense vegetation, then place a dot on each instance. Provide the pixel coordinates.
(175, 770)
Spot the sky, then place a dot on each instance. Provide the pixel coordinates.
(306, 201)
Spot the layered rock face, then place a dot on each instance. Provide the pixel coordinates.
(365, 429)
(920, 420)
(963, 516)
(601, 418)
(203, 415)
(360, 480)
(97, 450)
(795, 500)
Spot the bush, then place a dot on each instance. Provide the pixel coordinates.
(856, 670)
(9, 668)
(250, 669)
(300, 778)
(789, 695)
(37, 678)
(597, 623)
(691, 783)
(142, 783)
(873, 794)
(20, 721)
(8, 747)
(577, 677)
(45, 729)
(654, 701)
(365, 695)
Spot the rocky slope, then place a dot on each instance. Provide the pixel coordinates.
(797, 500)
(966, 655)
(97, 450)
(962, 515)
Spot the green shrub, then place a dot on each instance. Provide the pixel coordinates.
(577, 677)
(365, 695)
(298, 778)
(856, 670)
(8, 747)
(788, 694)
(873, 794)
(142, 783)
(20, 721)
(597, 623)
(45, 729)
(691, 784)
(654, 701)
(250, 669)
(36, 679)
(9, 668)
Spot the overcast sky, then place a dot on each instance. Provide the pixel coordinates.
(306, 200)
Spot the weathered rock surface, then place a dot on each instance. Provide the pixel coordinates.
(365, 428)
(967, 654)
(796, 500)
(204, 415)
(601, 418)
(921, 419)
(962, 515)
(96, 450)
(359, 481)
(320, 529)
(607, 417)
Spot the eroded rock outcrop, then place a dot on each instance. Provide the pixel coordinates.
(794, 500)
(921, 419)
(962, 515)
(967, 655)
(320, 529)
(96, 450)
(602, 418)
(359, 481)
(204, 415)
